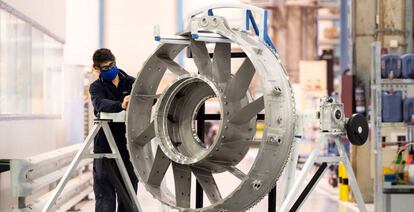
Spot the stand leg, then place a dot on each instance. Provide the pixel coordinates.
(200, 132)
(21, 202)
(84, 149)
(271, 207)
(199, 195)
(351, 176)
(306, 168)
(121, 165)
(291, 168)
(309, 187)
(121, 190)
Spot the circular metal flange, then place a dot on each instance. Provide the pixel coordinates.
(357, 129)
(176, 110)
(174, 117)
(168, 124)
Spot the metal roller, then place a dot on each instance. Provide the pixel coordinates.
(169, 123)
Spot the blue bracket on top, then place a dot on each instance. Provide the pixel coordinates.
(210, 12)
(259, 30)
(250, 19)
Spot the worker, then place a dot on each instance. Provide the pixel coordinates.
(110, 93)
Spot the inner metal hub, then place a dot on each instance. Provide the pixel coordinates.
(196, 125)
(177, 109)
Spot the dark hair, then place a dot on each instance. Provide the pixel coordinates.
(102, 55)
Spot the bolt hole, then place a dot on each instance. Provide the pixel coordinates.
(256, 185)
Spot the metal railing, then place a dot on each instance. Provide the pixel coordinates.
(35, 174)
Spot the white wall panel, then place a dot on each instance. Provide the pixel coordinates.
(48, 13)
(129, 28)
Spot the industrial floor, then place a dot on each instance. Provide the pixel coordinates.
(323, 198)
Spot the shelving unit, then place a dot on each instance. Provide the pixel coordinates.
(381, 189)
(397, 82)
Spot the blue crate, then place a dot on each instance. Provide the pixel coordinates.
(390, 63)
(392, 106)
(407, 66)
(408, 109)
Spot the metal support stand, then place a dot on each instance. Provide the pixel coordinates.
(291, 167)
(200, 132)
(309, 187)
(314, 157)
(21, 202)
(84, 153)
(271, 202)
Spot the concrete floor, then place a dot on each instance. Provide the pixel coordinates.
(323, 198)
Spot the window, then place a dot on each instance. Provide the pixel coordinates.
(30, 69)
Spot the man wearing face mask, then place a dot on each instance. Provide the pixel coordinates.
(110, 93)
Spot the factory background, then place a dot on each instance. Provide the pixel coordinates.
(326, 47)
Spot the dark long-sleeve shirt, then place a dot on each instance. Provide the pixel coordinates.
(106, 97)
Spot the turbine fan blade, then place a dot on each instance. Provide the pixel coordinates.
(182, 179)
(240, 82)
(207, 182)
(248, 112)
(222, 62)
(172, 65)
(236, 172)
(158, 169)
(201, 58)
(145, 136)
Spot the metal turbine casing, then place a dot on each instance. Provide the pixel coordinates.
(168, 126)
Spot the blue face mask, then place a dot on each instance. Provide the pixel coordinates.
(110, 74)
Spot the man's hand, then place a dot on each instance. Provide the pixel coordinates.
(125, 102)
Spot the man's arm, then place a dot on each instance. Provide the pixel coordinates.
(101, 104)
